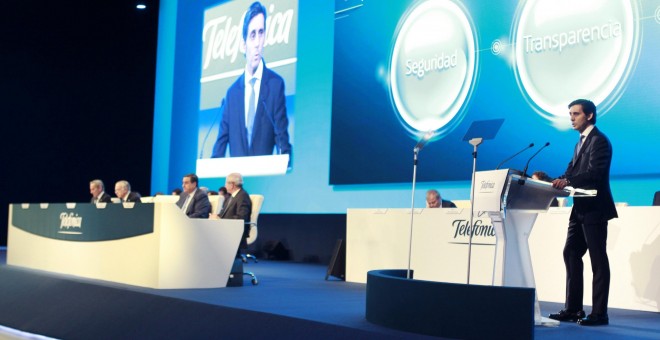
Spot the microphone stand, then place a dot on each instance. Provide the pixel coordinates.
(215, 119)
(524, 174)
(516, 154)
(475, 142)
(412, 209)
(416, 150)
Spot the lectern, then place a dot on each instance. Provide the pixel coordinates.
(513, 203)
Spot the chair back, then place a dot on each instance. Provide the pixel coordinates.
(216, 203)
(257, 202)
(165, 199)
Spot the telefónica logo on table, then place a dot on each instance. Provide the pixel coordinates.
(568, 49)
(70, 223)
(432, 66)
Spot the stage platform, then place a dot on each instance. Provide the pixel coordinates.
(292, 301)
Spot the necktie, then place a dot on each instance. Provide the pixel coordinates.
(251, 112)
(226, 205)
(221, 202)
(577, 148)
(185, 205)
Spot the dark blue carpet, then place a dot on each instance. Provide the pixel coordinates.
(292, 300)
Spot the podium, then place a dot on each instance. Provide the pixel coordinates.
(513, 203)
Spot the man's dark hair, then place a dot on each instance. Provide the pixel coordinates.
(588, 107)
(541, 175)
(193, 178)
(255, 9)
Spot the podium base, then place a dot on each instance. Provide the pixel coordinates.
(448, 310)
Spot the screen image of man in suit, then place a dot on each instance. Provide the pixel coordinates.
(193, 201)
(254, 119)
(589, 168)
(238, 205)
(124, 193)
(97, 189)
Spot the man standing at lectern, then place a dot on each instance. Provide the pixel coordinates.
(587, 227)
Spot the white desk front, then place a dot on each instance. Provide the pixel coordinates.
(148, 245)
(379, 239)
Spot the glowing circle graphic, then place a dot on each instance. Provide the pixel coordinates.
(432, 66)
(585, 52)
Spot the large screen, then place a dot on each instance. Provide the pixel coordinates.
(354, 136)
(435, 67)
(232, 47)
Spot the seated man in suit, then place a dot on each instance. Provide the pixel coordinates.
(434, 200)
(193, 201)
(97, 189)
(124, 193)
(238, 205)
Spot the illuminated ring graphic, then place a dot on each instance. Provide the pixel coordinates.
(432, 67)
(497, 47)
(588, 52)
(657, 15)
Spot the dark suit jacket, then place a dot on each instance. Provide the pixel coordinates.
(592, 171)
(448, 204)
(270, 123)
(199, 207)
(133, 197)
(105, 198)
(239, 208)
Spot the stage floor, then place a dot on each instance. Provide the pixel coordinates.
(299, 291)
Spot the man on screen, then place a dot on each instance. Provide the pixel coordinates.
(587, 227)
(254, 119)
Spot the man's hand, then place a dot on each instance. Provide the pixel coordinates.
(560, 183)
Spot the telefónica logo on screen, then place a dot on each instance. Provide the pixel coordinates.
(568, 49)
(432, 66)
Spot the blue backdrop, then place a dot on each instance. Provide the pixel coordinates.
(307, 188)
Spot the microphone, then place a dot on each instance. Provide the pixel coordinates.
(269, 114)
(530, 158)
(221, 111)
(514, 155)
(420, 144)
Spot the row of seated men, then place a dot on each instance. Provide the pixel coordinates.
(192, 200)
(122, 190)
(233, 202)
